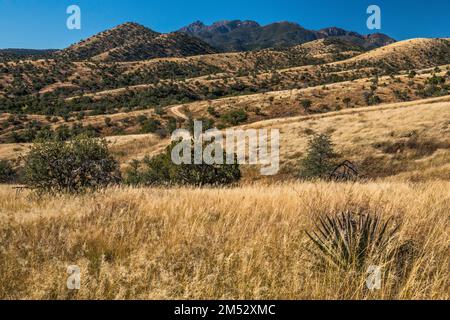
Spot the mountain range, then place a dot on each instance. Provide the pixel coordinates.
(237, 35)
(134, 42)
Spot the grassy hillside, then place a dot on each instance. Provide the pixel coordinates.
(203, 97)
(93, 76)
(408, 54)
(407, 141)
(73, 87)
(242, 243)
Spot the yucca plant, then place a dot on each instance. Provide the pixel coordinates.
(350, 239)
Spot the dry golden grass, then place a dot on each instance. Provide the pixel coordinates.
(411, 50)
(358, 133)
(245, 242)
(126, 148)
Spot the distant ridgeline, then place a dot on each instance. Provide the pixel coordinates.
(237, 35)
(24, 54)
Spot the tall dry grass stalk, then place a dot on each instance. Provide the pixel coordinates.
(242, 243)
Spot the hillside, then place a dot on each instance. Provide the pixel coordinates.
(212, 87)
(355, 93)
(408, 54)
(407, 141)
(237, 35)
(24, 54)
(131, 42)
(49, 75)
(257, 106)
(30, 77)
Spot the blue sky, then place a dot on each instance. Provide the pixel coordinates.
(42, 23)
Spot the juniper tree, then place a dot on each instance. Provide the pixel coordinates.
(321, 157)
(82, 163)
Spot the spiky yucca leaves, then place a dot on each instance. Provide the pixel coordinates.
(349, 240)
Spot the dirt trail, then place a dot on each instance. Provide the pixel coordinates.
(176, 111)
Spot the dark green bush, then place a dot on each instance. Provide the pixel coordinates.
(321, 157)
(213, 112)
(160, 170)
(7, 172)
(150, 125)
(306, 104)
(73, 166)
(235, 117)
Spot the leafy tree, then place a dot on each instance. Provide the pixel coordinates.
(73, 166)
(161, 170)
(7, 173)
(133, 175)
(321, 157)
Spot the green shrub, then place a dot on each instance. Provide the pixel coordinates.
(171, 125)
(108, 122)
(207, 124)
(133, 175)
(150, 126)
(7, 172)
(213, 112)
(321, 157)
(160, 170)
(306, 104)
(372, 99)
(73, 166)
(235, 117)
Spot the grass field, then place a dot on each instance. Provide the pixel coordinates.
(247, 242)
